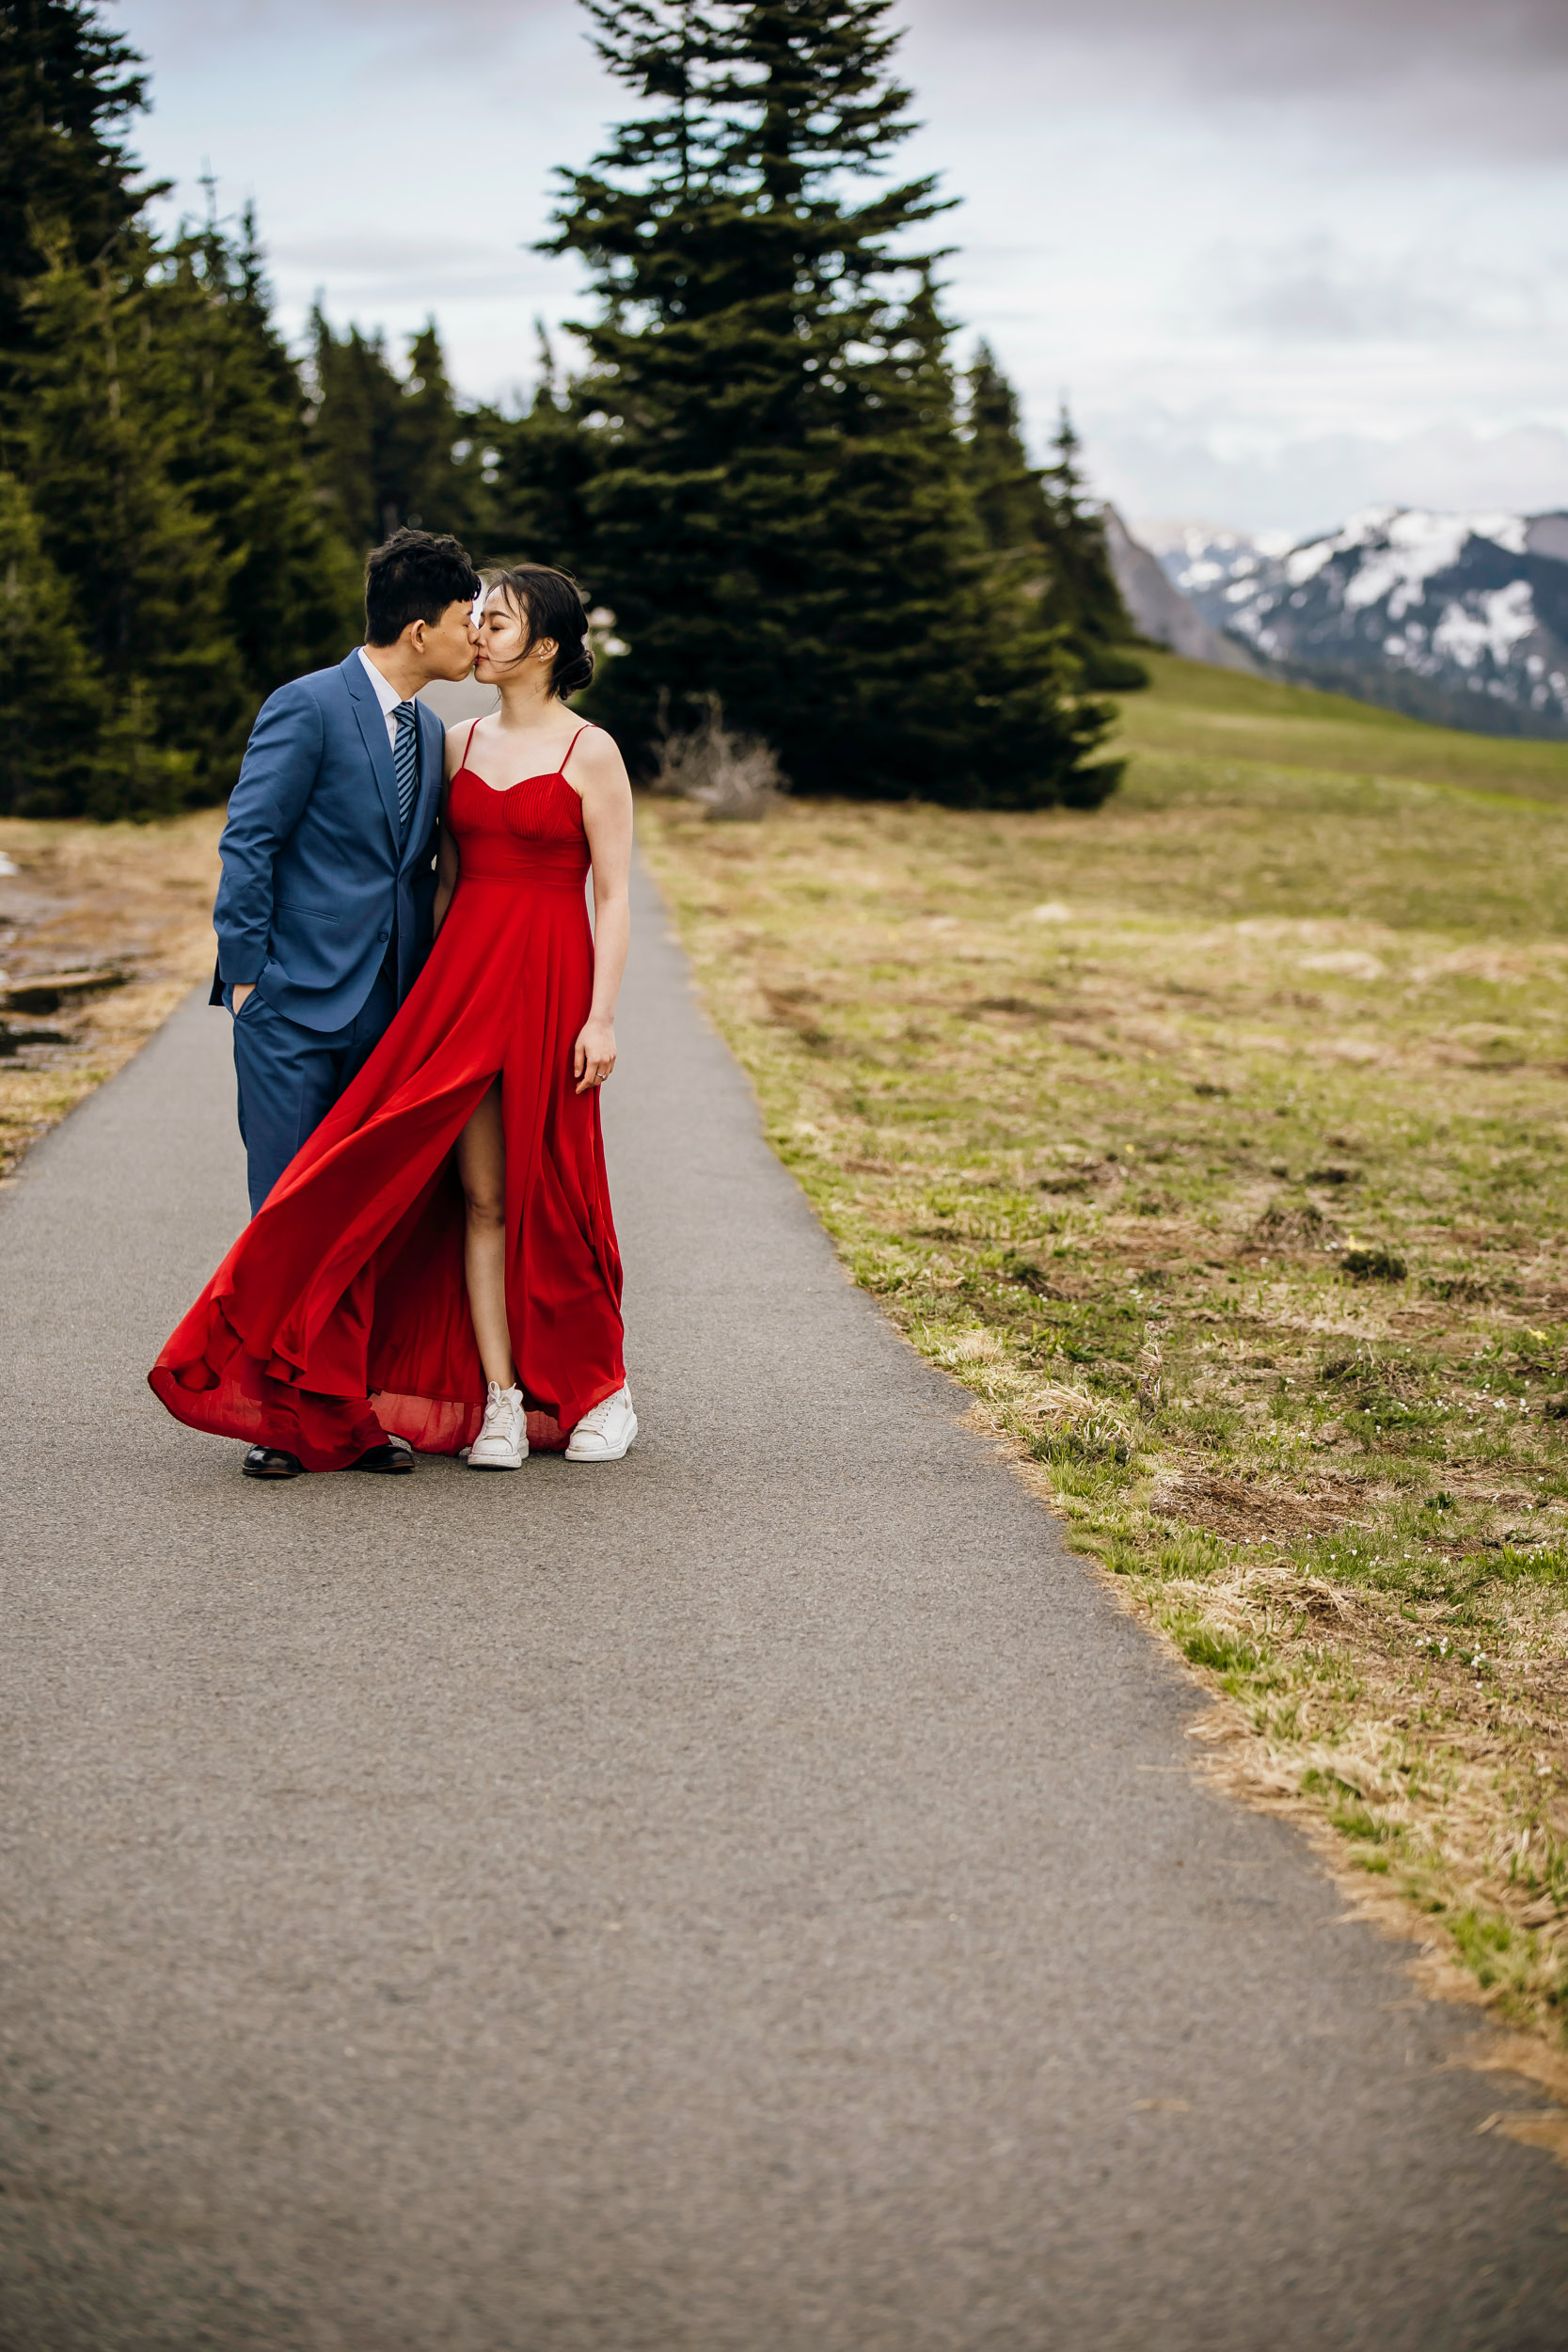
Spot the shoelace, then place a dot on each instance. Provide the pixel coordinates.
(498, 1416)
(597, 1419)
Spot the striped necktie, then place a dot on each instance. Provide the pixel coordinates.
(406, 761)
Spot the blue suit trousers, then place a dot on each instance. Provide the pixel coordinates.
(289, 1077)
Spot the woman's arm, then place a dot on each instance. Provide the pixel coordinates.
(446, 852)
(606, 819)
(445, 869)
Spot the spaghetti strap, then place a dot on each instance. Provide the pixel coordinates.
(571, 747)
(469, 744)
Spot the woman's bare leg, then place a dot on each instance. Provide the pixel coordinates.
(482, 1168)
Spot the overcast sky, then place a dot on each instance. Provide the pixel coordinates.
(1285, 260)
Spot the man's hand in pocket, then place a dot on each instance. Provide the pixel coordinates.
(241, 991)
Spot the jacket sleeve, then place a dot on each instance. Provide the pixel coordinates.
(277, 777)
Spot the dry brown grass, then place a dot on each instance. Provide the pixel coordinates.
(131, 901)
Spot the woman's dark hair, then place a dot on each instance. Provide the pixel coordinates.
(414, 577)
(552, 605)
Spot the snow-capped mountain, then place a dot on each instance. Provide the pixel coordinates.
(1460, 618)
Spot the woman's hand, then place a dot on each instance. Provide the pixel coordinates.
(594, 1055)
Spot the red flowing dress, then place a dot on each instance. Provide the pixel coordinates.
(340, 1315)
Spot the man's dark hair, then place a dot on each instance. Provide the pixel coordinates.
(414, 577)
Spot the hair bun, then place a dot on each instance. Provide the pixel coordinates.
(573, 670)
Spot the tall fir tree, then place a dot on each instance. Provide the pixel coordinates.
(355, 392)
(1010, 496)
(69, 184)
(387, 449)
(1082, 583)
(432, 453)
(52, 695)
(1046, 540)
(237, 449)
(782, 513)
(535, 468)
(144, 574)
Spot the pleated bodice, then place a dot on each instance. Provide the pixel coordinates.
(532, 834)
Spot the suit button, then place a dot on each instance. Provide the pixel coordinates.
(384, 935)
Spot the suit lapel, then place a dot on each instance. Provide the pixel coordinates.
(373, 727)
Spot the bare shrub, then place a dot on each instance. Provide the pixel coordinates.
(734, 777)
(1294, 1225)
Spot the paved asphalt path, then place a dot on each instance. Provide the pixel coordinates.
(752, 1899)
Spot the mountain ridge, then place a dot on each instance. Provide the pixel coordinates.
(1158, 608)
(1454, 617)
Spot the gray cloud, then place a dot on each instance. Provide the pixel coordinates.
(1316, 289)
(1464, 76)
(1315, 307)
(469, 41)
(1312, 483)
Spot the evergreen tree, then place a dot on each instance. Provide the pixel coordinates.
(143, 575)
(1008, 495)
(385, 447)
(68, 89)
(1047, 542)
(353, 414)
(1083, 590)
(535, 469)
(141, 711)
(51, 697)
(155, 497)
(782, 513)
(435, 482)
(237, 448)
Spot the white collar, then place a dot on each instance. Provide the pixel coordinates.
(387, 696)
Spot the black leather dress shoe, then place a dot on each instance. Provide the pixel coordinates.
(270, 1461)
(388, 1461)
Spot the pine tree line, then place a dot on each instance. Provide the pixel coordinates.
(768, 468)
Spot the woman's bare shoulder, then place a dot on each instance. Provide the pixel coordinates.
(459, 735)
(597, 758)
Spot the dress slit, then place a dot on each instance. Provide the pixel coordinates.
(340, 1315)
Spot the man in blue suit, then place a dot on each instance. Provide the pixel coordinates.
(324, 915)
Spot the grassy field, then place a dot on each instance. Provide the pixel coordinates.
(128, 908)
(1218, 1142)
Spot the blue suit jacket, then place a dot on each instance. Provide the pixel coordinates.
(314, 876)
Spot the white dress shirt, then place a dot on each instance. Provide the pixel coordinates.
(387, 696)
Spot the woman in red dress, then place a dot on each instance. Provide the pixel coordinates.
(439, 1263)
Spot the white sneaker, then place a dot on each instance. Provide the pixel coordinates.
(604, 1434)
(502, 1442)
